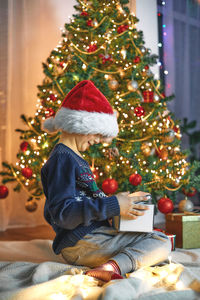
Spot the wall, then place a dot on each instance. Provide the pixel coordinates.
(146, 12)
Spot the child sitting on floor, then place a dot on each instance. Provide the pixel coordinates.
(77, 209)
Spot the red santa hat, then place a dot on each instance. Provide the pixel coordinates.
(85, 110)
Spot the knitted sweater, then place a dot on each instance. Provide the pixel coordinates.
(74, 205)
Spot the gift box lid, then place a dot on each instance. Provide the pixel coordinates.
(183, 217)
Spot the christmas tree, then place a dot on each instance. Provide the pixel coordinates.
(102, 44)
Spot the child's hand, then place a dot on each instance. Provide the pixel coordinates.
(128, 208)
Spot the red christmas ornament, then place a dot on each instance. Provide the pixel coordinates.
(27, 172)
(135, 179)
(49, 112)
(24, 146)
(92, 48)
(109, 186)
(136, 59)
(148, 96)
(122, 28)
(191, 192)
(3, 191)
(84, 13)
(52, 97)
(105, 58)
(165, 205)
(89, 23)
(146, 67)
(139, 111)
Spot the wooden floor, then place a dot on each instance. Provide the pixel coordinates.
(28, 233)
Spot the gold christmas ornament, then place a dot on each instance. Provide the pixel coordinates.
(132, 85)
(146, 150)
(31, 206)
(113, 84)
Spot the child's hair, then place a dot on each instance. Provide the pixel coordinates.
(85, 110)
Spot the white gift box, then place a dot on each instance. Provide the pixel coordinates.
(141, 224)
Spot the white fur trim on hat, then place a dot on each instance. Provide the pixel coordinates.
(83, 122)
(49, 125)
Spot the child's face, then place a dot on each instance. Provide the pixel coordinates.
(85, 141)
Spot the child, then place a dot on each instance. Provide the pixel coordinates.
(77, 209)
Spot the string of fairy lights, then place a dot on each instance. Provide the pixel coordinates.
(143, 81)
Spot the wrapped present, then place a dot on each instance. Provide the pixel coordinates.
(141, 224)
(186, 227)
(148, 96)
(172, 238)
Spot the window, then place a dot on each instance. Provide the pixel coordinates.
(181, 55)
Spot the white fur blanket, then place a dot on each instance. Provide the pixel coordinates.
(31, 271)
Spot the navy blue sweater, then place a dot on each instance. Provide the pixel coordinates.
(74, 205)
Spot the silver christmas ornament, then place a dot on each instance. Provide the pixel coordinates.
(185, 205)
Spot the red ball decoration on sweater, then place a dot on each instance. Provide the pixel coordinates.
(165, 205)
(136, 59)
(135, 179)
(109, 186)
(49, 112)
(3, 191)
(139, 111)
(122, 28)
(24, 146)
(84, 13)
(27, 172)
(92, 48)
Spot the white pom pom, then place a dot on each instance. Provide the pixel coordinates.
(49, 125)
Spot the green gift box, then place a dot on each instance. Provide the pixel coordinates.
(186, 227)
